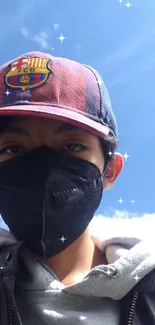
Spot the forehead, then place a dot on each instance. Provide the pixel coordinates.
(13, 123)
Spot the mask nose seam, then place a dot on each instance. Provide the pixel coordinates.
(64, 191)
(43, 233)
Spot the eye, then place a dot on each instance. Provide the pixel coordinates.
(74, 147)
(12, 150)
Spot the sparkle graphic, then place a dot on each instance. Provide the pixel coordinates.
(120, 1)
(108, 272)
(61, 38)
(100, 81)
(110, 153)
(63, 239)
(126, 156)
(120, 201)
(128, 4)
(132, 201)
(7, 92)
(82, 317)
(136, 278)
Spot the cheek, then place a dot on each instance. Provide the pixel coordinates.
(98, 160)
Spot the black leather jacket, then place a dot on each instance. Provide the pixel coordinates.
(137, 307)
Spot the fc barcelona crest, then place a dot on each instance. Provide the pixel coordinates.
(28, 73)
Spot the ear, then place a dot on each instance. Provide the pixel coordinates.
(114, 168)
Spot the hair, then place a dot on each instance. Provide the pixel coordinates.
(109, 143)
(5, 120)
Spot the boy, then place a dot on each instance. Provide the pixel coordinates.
(58, 137)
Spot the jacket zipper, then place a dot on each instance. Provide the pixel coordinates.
(132, 308)
(8, 304)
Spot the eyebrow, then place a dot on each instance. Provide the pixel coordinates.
(10, 128)
(63, 128)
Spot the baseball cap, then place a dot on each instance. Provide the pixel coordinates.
(39, 84)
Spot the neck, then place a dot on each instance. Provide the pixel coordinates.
(76, 260)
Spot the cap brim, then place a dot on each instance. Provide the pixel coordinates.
(57, 113)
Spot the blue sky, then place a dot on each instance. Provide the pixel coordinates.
(120, 43)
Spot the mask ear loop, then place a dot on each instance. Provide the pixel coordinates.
(100, 178)
(105, 171)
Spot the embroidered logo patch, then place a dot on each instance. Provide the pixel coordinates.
(28, 73)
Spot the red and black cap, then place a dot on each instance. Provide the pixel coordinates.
(39, 84)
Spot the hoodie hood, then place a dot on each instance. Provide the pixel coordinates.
(129, 257)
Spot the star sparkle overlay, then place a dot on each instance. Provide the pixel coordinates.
(100, 81)
(126, 156)
(128, 5)
(110, 153)
(7, 92)
(61, 38)
(63, 239)
(120, 201)
(136, 278)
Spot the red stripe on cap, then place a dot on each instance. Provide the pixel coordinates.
(14, 80)
(73, 89)
(64, 87)
(36, 78)
(2, 85)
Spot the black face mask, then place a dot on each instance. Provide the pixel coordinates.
(47, 199)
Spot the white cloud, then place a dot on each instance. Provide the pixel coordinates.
(43, 34)
(115, 81)
(131, 47)
(123, 223)
(119, 224)
(41, 38)
(17, 16)
(56, 26)
(25, 32)
(78, 47)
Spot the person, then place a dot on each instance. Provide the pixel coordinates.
(58, 142)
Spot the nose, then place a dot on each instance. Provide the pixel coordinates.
(43, 133)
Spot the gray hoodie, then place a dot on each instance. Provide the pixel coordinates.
(95, 300)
